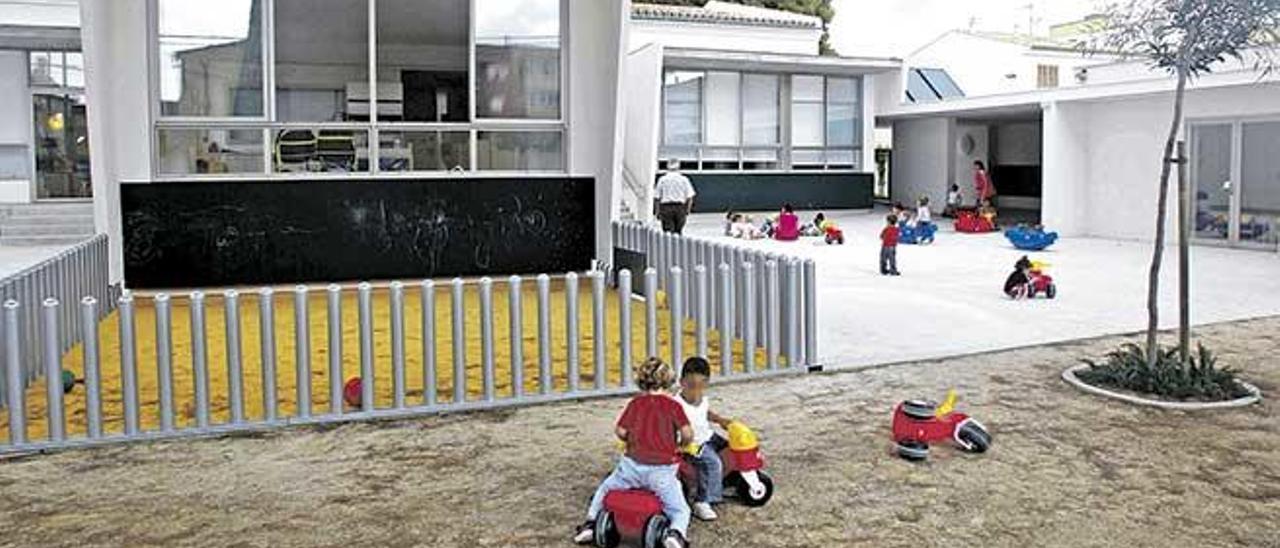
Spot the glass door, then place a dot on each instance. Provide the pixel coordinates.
(61, 146)
(1259, 218)
(1212, 190)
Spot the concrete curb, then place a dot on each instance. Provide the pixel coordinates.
(1255, 396)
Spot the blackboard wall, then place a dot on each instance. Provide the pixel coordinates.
(213, 234)
(747, 191)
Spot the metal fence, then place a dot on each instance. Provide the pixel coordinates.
(766, 300)
(80, 271)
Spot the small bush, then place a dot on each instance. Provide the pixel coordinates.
(1127, 368)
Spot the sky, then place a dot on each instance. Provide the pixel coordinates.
(898, 27)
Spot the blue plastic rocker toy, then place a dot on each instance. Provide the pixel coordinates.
(1030, 239)
(920, 234)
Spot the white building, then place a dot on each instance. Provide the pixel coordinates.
(757, 117)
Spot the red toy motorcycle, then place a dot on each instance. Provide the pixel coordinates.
(918, 423)
(636, 514)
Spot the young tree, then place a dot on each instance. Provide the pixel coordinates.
(1186, 39)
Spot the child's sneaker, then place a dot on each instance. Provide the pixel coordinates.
(703, 511)
(586, 533)
(674, 540)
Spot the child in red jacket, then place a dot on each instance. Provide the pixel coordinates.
(889, 247)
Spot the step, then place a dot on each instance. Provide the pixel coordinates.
(46, 229)
(27, 213)
(27, 241)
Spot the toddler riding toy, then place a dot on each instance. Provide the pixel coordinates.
(969, 220)
(1030, 239)
(918, 423)
(743, 468)
(1040, 283)
(919, 234)
(831, 233)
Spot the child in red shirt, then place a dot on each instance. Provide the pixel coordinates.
(889, 247)
(653, 427)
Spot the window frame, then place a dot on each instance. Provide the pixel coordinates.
(269, 121)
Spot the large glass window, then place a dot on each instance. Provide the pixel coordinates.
(518, 59)
(520, 151)
(209, 152)
(682, 108)
(760, 112)
(1260, 183)
(424, 150)
(807, 111)
(59, 69)
(322, 61)
(842, 112)
(62, 146)
(724, 112)
(211, 57)
(423, 60)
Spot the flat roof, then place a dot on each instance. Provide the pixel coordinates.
(711, 59)
(39, 38)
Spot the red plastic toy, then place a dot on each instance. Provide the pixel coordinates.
(832, 234)
(352, 391)
(968, 220)
(636, 514)
(1041, 283)
(918, 423)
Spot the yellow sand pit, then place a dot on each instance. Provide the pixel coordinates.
(251, 362)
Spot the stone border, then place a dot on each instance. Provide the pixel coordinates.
(1255, 396)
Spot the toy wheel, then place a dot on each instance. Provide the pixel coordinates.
(972, 437)
(655, 530)
(829, 240)
(1051, 291)
(840, 240)
(606, 531)
(919, 409)
(912, 450)
(744, 490)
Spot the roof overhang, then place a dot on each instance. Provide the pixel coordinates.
(39, 38)
(709, 59)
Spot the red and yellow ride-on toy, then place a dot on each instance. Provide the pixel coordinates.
(635, 515)
(918, 423)
(1040, 282)
(831, 232)
(743, 468)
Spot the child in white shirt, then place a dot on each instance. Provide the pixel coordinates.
(694, 378)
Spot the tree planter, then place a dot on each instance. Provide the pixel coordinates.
(1254, 396)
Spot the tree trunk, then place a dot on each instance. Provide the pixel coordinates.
(1184, 258)
(1157, 256)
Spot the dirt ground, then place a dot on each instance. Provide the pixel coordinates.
(1066, 469)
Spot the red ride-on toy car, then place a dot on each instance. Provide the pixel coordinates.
(743, 468)
(918, 423)
(1041, 283)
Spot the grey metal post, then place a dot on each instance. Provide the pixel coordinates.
(486, 337)
(810, 314)
(302, 351)
(624, 324)
(92, 379)
(795, 350)
(700, 308)
(164, 360)
(675, 299)
(598, 321)
(397, 345)
(459, 342)
(334, 292)
(544, 334)
(784, 307)
(725, 289)
(429, 385)
(364, 300)
(571, 328)
(128, 364)
(267, 340)
(235, 376)
(515, 328)
(762, 297)
(740, 293)
(199, 359)
(650, 312)
(772, 311)
(749, 313)
(13, 374)
(53, 372)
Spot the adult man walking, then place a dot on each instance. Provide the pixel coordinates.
(673, 198)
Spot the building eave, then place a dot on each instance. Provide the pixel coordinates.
(709, 59)
(26, 37)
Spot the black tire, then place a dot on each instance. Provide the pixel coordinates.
(972, 437)
(829, 240)
(914, 451)
(606, 531)
(919, 409)
(654, 531)
(1051, 291)
(841, 240)
(744, 490)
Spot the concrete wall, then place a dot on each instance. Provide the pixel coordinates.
(962, 170)
(1017, 144)
(982, 66)
(1065, 187)
(15, 129)
(644, 126)
(676, 34)
(923, 159)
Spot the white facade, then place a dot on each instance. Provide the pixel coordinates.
(987, 64)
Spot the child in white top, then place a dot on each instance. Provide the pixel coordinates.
(953, 201)
(694, 378)
(923, 215)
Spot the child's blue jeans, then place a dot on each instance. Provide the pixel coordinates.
(660, 479)
(710, 468)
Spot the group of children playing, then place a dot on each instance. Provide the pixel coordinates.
(654, 426)
(785, 226)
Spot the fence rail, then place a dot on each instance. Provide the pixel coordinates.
(77, 272)
(218, 364)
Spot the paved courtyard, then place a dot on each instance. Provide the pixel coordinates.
(16, 258)
(949, 301)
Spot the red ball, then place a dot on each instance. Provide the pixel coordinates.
(351, 392)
